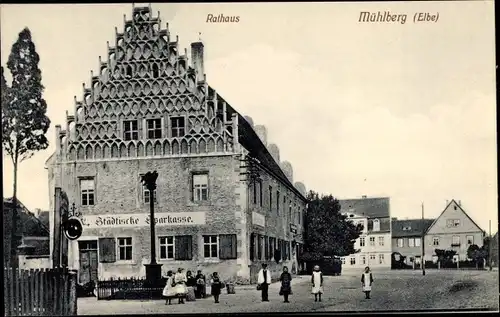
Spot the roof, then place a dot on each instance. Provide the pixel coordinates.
(414, 227)
(370, 207)
(458, 205)
(31, 225)
(249, 139)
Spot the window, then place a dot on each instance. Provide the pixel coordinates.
(278, 202)
(380, 241)
(300, 217)
(147, 196)
(261, 202)
(129, 71)
(400, 243)
(372, 241)
(210, 247)
(167, 248)
(154, 128)
(290, 211)
(381, 259)
(87, 187)
(417, 242)
(376, 225)
(178, 126)
(450, 223)
(156, 71)
(284, 205)
(372, 257)
(270, 198)
(343, 260)
(130, 130)
(435, 241)
(470, 240)
(363, 259)
(353, 260)
(124, 249)
(362, 241)
(200, 187)
(255, 193)
(455, 240)
(411, 242)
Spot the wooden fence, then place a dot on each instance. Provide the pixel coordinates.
(40, 292)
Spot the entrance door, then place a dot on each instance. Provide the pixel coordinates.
(88, 261)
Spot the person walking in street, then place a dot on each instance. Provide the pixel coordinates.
(216, 286)
(317, 283)
(286, 284)
(200, 288)
(169, 290)
(180, 281)
(366, 282)
(263, 281)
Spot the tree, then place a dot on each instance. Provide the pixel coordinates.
(24, 122)
(478, 254)
(327, 231)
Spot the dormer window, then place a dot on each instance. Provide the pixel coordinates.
(376, 225)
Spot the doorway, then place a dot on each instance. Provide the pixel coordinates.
(88, 262)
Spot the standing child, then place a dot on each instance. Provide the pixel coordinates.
(317, 283)
(169, 290)
(367, 281)
(216, 286)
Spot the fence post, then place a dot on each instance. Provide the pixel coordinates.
(72, 302)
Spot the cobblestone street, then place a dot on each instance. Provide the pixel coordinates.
(392, 290)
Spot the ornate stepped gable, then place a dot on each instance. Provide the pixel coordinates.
(145, 77)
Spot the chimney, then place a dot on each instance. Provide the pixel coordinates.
(364, 196)
(447, 202)
(460, 203)
(197, 60)
(58, 138)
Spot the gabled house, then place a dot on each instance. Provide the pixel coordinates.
(374, 243)
(33, 232)
(407, 238)
(454, 230)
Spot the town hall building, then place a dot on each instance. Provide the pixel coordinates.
(224, 201)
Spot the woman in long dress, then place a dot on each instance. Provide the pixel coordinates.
(217, 285)
(286, 284)
(169, 290)
(367, 281)
(317, 283)
(180, 280)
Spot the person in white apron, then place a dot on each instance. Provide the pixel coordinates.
(169, 290)
(317, 283)
(180, 281)
(366, 282)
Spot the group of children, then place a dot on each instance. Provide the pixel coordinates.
(177, 285)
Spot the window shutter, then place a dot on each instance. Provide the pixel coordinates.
(183, 248)
(283, 250)
(266, 248)
(107, 250)
(191, 187)
(252, 246)
(227, 246)
(259, 247)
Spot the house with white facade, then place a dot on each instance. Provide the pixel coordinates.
(374, 243)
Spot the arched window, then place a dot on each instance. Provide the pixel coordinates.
(156, 71)
(129, 71)
(376, 225)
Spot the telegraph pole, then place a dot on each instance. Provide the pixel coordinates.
(422, 243)
(490, 240)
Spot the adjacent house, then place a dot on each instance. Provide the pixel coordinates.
(407, 238)
(375, 241)
(34, 235)
(494, 250)
(452, 230)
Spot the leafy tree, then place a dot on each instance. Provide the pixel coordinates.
(327, 231)
(24, 122)
(445, 256)
(478, 254)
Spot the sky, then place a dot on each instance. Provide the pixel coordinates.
(406, 111)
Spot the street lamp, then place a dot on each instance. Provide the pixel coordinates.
(153, 269)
